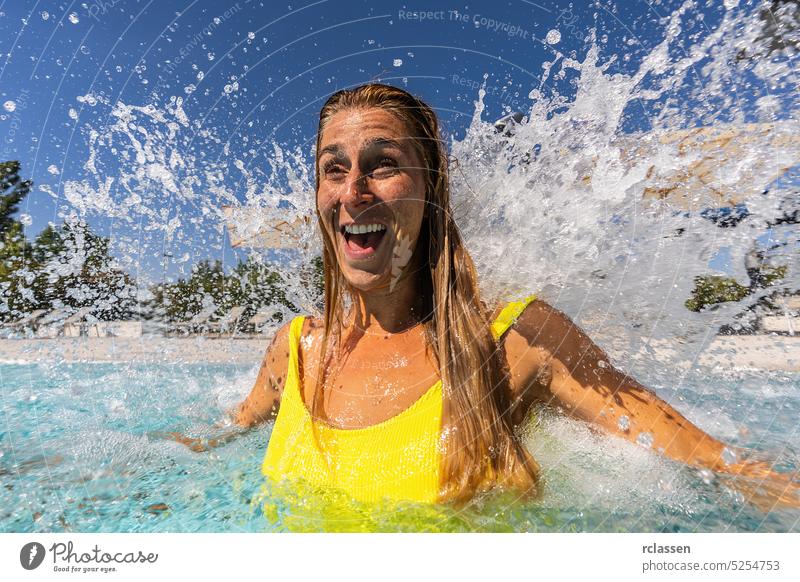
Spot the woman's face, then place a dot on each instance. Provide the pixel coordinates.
(371, 195)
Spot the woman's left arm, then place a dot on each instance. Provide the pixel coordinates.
(565, 368)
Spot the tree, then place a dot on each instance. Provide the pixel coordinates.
(16, 275)
(74, 269)
(780, 22)
(251, 284)
(15, 296)
(778, 30)
(67, 267)
(13, 189)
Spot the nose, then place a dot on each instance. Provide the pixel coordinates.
(356, 192)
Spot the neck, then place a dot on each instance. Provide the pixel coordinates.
(388, 311)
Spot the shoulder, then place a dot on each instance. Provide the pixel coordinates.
(311, 330)
(527, 330)
(277, 354)
(542, 324)
(541, 334)
(308, 342)
(528, 361)
(282, 340)
(552, 335)
(312, 325)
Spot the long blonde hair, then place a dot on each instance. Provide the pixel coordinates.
(479, 448)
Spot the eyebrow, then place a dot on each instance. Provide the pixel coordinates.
(382, 141)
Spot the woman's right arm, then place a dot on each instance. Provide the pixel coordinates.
(260, 405)
(264, 399)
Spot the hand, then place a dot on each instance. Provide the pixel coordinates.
(201, 445)
(198, 445)
(762, 486)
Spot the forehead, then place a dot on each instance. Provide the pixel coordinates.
(353, 126)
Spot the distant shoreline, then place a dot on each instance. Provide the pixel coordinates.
(764, 352)
(145, 349)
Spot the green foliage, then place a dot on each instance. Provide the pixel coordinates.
(769, 275)
(15, 275)
(69, 267)
(12, 190)
(73, 268)
(711, 290)
(250, 283)
(66, 267)
(318, 277)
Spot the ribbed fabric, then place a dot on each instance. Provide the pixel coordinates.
(397, 459)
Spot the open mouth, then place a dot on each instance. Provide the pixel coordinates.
(362, 240)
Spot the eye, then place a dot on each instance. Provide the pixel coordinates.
(332, 169)
(385, 167)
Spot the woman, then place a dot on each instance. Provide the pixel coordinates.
(409, 386)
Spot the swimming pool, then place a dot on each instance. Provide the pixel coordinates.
(75, 455)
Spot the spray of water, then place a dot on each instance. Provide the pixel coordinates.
(605, 218)
(601, 199)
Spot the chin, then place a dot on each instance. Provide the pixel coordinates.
(364, 280)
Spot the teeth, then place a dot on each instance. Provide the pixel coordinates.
(363, 228)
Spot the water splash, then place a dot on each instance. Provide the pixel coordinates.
(598, 215)
(601, 220)
(608, 223)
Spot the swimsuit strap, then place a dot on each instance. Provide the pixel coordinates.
(508, 316)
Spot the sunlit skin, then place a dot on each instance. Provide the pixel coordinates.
(369, 172)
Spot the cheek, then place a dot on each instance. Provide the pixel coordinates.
(409, 213)
(324, 200)
(326, 204)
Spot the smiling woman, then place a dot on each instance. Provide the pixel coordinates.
(406, 290)
(442, 424)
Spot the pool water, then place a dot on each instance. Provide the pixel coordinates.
(76, 455)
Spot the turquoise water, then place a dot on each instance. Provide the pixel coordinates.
(76, 455)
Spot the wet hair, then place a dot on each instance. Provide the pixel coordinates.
(479, 450)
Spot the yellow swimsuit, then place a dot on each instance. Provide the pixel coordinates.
(396, 459)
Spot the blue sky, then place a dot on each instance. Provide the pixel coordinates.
(256, 72)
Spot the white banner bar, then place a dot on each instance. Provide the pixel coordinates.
(388, 557)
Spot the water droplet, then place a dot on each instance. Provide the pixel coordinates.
(729, 456)
(707, 476)
(731, 4)
(9, 106)
(210, 56)
(73, 18)
(72, 113)
(45, 15)
(645, 439)
(251, 35)
(624, 423)
(200, 75)
(189, 89)
(53, 169)
(26, 219)
(398, 62)
(602, 364)
(553, 37)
